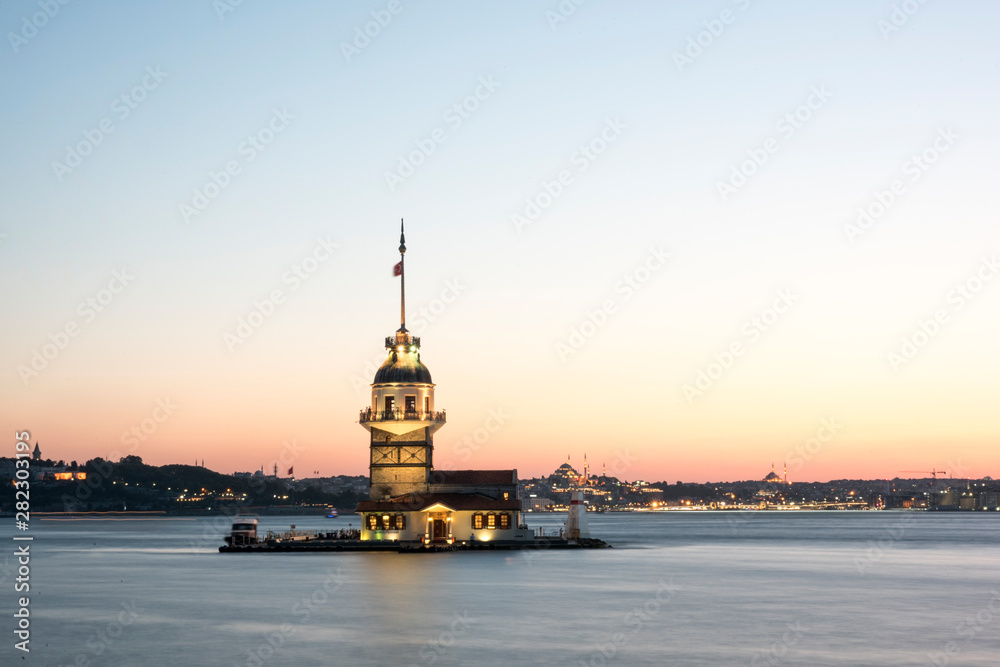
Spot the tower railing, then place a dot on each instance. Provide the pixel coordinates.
(391, 341)
(397, 415)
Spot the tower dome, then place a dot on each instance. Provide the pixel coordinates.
(403, 364)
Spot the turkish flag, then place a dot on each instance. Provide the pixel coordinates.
(291, 469)
(398, 269)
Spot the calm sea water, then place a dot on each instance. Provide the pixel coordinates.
(679, 588)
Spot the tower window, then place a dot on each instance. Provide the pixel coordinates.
(427, 403)
(390, 403)
(410, 403)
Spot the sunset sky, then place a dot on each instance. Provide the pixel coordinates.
(633, 232)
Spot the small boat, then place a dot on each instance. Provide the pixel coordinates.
(332, 514)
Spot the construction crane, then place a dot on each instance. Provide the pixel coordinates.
(932, 473)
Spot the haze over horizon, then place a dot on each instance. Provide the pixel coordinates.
(618, 243)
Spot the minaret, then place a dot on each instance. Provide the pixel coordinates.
(786, 472)
(401, 418)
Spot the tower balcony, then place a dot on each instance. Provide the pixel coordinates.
(403, 339)
(402, 421)
(401, 415)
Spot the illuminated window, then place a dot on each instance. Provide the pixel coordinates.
(491, 521)
(372, 522)
(399, 522)
(477, 521)
(385, 522)
(506, 495)
(504, 521)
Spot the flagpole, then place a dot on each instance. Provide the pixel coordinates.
(402, 278)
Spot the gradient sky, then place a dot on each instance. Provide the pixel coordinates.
(521, 292)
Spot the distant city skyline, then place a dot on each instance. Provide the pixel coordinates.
(687, 240)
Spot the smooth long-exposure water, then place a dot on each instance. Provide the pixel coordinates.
(679, 588)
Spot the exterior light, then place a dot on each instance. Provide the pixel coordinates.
(400, 348)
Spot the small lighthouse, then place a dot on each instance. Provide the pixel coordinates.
(576, 522)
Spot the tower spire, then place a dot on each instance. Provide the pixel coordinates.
(402, 278)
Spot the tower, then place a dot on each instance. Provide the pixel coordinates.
(401, 418)
(37, 454)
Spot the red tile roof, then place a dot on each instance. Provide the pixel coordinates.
(416, 502)
(474, 477)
